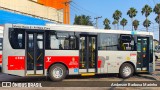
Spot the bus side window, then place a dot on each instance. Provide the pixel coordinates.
(108, 42)
(17, 38)
(61, 40)
(126, 43)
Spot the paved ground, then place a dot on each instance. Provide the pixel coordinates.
(84, 81)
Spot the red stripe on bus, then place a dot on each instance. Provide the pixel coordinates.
(69, 61)
(99, 63)
(0, 59)
(16, 62)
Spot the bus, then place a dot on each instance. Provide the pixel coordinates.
(1, 44)
(60, 50)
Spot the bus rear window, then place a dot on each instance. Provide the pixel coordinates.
(17, 38)
(1, 44)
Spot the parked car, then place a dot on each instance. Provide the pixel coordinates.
(157, 52)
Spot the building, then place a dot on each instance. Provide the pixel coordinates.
(37, 12)
(59, 4)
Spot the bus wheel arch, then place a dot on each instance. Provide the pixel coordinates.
(127, 69)
(59, 67)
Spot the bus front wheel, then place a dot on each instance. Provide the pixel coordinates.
(57, 72)
(126, 70)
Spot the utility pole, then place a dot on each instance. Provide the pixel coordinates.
(159, 26)
(97, 20)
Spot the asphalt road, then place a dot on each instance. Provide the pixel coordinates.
(103, 81)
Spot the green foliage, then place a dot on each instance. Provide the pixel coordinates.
(107, 26)
(157, 9)
(146, 10)
(157, 19)
(132, 12)
(123, 22)
(135, 24)
(146, 23)
(83, 20)
(114, 22)
(117, 15)
(106, 23)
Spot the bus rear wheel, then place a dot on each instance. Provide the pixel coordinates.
(126, 70)
(57, 72)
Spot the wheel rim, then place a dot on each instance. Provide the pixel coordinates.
(57, 72)
(126, 71)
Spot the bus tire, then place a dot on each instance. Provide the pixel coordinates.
(126, 70)
(57, 72)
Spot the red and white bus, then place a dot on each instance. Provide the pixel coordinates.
(60, 50)
(1, 43)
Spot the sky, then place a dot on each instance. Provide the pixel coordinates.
(106, 8)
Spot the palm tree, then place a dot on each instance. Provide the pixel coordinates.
(114, 23)
(157, 11)
(157, 19)
(146, 23)
(123, 22)
(107, 27)
(106, 22)
(117, 15)
(83, 20)
(135, 24)
(132, 13)
(146, 10)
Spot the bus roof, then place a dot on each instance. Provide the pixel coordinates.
(76, 28)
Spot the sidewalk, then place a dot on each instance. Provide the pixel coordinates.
(156, 73)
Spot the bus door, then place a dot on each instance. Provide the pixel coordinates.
(35, 53)
(143, 56)
(88, 54)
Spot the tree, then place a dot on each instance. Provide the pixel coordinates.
(83, 20)
(123, 22)
(146, 10)
(157, 19)
(117, 15)
(107, 26)
(135, 24)
(146, 23)
(106, 23)
(114, 23)
(132, 13)
(157, 11)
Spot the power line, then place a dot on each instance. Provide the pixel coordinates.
(77, 9)
(154, 2)
(91, 13)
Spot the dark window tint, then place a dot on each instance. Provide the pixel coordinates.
(116, 42)
(1, 44)
(126, 42)
(17, 38)
(61, 40)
